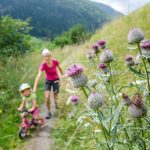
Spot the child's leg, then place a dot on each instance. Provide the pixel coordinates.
(37, 116)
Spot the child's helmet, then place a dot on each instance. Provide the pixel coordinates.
(24, 86)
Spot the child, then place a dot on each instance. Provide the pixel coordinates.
(49, 66)
(29, 102)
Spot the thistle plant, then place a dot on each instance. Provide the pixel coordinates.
(75, 72)
(79, 79)
(145, 48)
(102, 44)
(117, 130)
(137, 108)
(103, 67)
(95, 100)
(135, 36)
(106, 56)
(91, 54)
(96, 48)
(129, 60)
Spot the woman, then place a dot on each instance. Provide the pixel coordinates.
(50, 67)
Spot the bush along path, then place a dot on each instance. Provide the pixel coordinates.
(116, 115)
(41, 139)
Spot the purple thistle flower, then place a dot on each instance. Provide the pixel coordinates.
(137, 108)
(145, 47)
(104, 68)
(96, 48)
(78, 78)
(74, 70)
(129, 60)
(74, 99)
(102, 43)
(135, 36)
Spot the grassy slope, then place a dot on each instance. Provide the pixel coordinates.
(115, 34)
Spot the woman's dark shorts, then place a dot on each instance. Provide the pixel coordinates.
(49, 84)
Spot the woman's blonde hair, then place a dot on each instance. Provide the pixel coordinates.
(46, 52)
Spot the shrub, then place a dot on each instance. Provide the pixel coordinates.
(14, 39)
(76, 35)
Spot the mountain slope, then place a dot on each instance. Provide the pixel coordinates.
(52, 17)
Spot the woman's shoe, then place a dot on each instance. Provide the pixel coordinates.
(49, 115)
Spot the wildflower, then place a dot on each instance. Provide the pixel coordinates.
(81, 119)
(135, 36)
(74, 70)
(95, 100)
(102, 44)
(145, 48)
(137, 108)
(74, 99)
(76, 73)
(96, 48)
(104, 68)
(90, 54)
(86, 125)
(106, 56)
(129, 60)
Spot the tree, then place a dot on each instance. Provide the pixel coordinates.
(14, 38)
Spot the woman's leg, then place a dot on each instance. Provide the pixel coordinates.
(56, 91)
(55, 99)
(47, 97)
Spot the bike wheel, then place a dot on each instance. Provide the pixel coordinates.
(22, 133)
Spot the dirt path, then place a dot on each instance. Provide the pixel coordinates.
(41, 139)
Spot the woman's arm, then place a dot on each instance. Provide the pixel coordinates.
(37, 81)
(21, 105)
(61, 71)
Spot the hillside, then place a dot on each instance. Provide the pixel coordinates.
(52, 17)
